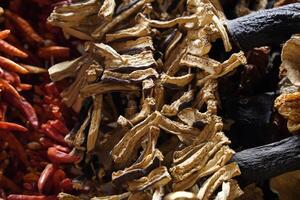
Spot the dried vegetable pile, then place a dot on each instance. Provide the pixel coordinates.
(146, 89)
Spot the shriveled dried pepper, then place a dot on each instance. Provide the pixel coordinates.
(12, 66)
(57, 156)
(4, 34)
(30, 197)
(11, 50)
(45, 178)
(54, 51)
(9, 126)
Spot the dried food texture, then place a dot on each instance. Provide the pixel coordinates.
(146, 92)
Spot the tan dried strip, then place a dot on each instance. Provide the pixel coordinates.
(95, 123)
(139, 43)
(173, 44)
(147, 158)
(214, 164)
(107, 9)
(101, 31)
(102, 88)
(204, 63)
(223, 33)
(171, 23)
(198, 159)
(113, 197)
(178, 81)
(122, 151)
(141, 29)
(135, 76)
(172, 110)
(156, 178)
(181, 195)
(230, 191)
(224, 174)
(147, 108)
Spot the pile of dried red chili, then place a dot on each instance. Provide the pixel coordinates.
(33, 154)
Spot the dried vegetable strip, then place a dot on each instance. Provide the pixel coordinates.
(155, 80)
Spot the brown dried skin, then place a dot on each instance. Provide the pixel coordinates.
(147, 109)
(176, 81)
(135, 76)
(95, 123)
(129, 46)
(107, 9)
(157, 177)
(149, 158)
(113, 197)
(102, 30)
(102, 88)
(289, 107)
(141, 29)
(172, 110)
(224, 174)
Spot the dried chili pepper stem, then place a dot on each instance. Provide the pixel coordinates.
(262, 28)
(264, 162)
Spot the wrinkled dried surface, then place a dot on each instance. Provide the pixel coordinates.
(151, 120)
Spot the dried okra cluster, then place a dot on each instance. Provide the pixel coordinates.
(146, 89)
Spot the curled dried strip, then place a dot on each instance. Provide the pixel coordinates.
(102, 88)
(135, 76)
(99, 33)
(157, 177)
(227, 66)
(176, 81)
(133, 46)
(107, 9)
(181, 195)
(24, 26)
(168, 24)
(172, 43)
(147, 108)
(204, 63)
(195, 160)
(224, 174)
(141, 29)
(95, 122)
(149, 158)
(176, 106)
(113, 197)
(230, 190)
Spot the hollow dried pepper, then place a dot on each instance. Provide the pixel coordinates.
(12, 66)
(25, 107)
(53, 133)
(4, 85)
(54, 51)
(4, 34)
(57, 156)
(9, 126)
(11, 50)
(24, 26)
(30, 197)
(45, 178)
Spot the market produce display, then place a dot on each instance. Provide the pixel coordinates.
(148, 99)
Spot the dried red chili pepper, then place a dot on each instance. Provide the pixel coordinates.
(53, 133)
(58, 176)
(3, 109)
(15, 145)
(9, 126)
(59, 126)
(66, 185)
(45, 178)
(24, 107)
(12, 66)
(30, 197)
(57, 156)
(4, 85)
(54, 51)
(51, 89)
(11, 50)
(24, 26)
(4, 34)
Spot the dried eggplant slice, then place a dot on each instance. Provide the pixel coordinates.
(157, 177)
(176, 81)
(113, 197)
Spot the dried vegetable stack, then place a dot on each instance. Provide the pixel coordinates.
(146, 92)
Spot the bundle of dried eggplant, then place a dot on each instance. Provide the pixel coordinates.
(146, 90)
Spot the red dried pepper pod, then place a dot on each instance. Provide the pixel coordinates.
(53, 133)
(54, 51)
(57, 156)
(4, 34)
(45, 180)
(9, 126)
(12, 66)
(30, 197)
